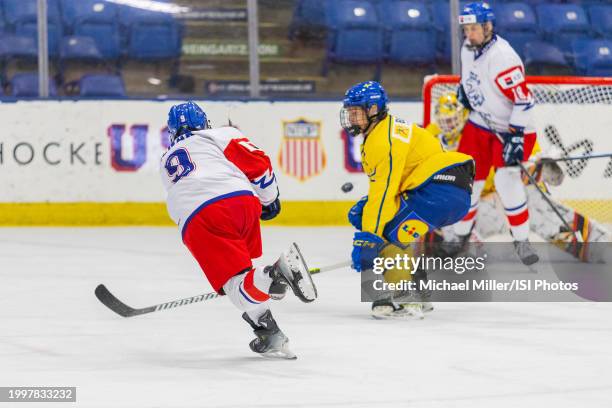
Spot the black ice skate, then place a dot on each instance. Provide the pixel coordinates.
(271, 341)
(525, 251)
(291, 271)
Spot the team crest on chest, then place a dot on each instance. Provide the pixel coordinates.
(472, 89)
(301, 154)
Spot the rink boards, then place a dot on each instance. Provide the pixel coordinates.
(96, 162)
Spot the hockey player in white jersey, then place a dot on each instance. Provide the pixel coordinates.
(219, 185)
(493, 87)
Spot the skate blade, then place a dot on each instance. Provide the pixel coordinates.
(304, 288)
(407, 313)
(283, 354)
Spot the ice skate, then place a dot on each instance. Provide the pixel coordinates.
(291, 271)
(387, 309)
(271, 342)
(452, 245)
(525, 251)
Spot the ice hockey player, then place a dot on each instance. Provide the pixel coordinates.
(494, 89)
(415, 185)
(219, 186)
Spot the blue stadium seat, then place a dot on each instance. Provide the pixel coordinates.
(440, 14)
(79, 48)
(106, 36)
(593, 57)
(539, 54)
(352, 13)
(515, 17)
(562, 24)
(357, 45)
(410, 36)
(413, 46)
(131, 15)
(16, 11)
(54, 32)
(519, 40)
(18, 46)
(74, 11)
(308, 16)
(102, 85)
(601, 20)
(26, 85)
(150, 41)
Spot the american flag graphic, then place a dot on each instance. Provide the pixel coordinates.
(301, 153)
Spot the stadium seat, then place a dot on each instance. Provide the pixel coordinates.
(352, 13)
(440, 13)
(97, 11)
(539, 54)
(131, 15)
(561, 24)
(18, 46)
(515, 17)
(79, 48)
(54, 30)
(309, 16)
(601, 20)
(412, 46)
(105, 34)
(102, 85)
(519, 40)
(150, 41)
(16, 11)
(593, 57)
(26, 85)
(357, 45)
(410, 35)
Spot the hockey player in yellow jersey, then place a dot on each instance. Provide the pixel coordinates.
(415, 185)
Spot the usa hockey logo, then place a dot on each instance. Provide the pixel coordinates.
(301, 154)
(352, 152)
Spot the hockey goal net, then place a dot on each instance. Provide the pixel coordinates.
(573, 115)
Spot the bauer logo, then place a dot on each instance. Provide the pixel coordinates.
(301, 154)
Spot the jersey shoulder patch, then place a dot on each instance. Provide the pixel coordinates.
(510, 78)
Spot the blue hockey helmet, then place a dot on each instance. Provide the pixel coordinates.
(476, 13)
(186, 117)
(363, 95)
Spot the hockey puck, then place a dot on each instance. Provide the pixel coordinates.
(346, 187)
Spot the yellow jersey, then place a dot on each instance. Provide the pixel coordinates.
(399, 156)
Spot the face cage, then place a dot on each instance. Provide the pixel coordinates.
(448, 124)
(345, 122)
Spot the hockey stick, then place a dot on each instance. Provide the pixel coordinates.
(109, 300)
(586, 157)
(577, 234)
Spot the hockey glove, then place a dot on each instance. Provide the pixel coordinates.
(356, 212)
(270, 211)
(462, 97)
(513, 146)
(366, 247)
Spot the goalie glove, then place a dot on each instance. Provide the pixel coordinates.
(513, 152)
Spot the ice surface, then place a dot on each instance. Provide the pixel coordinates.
(53, 331)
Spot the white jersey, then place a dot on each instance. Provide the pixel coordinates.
(210, 165)
(494, 81)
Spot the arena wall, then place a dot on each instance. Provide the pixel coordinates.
(96, 162)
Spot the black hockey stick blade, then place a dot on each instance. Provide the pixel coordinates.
(109, 300)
